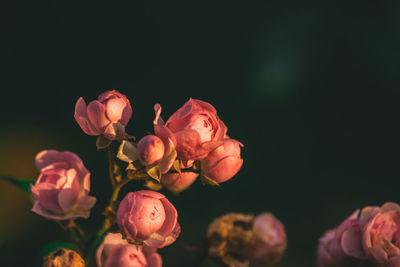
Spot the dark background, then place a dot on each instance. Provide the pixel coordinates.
(310, 88)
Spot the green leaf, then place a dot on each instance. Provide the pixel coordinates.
(208, 180)
(177, 166)
(154, 172)
(153, 185)
(55, 245)
(23, 184)
(127, 152)
(196, 165)
(102, 142)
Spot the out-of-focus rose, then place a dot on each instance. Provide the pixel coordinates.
(61, 191)
(117, 252)
(106, 116)
(150, 150)
(381, 234)
(195, 129)
(149, 217)
(178, 182)
(63, 257)
(223, 162)
(268, 243)
(227, 236)
(342, 246)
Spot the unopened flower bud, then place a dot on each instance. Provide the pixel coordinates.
(268, 243)
(178, 182)
(63, 257)
(149, 217)
(151, 150)
(223, 162)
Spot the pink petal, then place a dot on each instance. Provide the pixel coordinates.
(169, 141)
(169, 157)
(379, 255)
(87, 202)
(169, 239)
(48, 197)
(68, 197)
(154, 260)
(351, 244)
(81, 117)
(38, 209)
(45, 158)
(225, 169)
(182, 112)
(394, 261)
(97, 115)
(115, 108)
(171, 217)
(149, 193)
(158, 120)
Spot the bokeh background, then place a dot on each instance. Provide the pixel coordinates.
(310, 88)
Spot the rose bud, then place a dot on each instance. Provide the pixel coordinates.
(106, 116)
(381, 234)
(61, 191)
(117, 252)
(149, 217)
(223, 162)
(342, 246)
(178, 182)
(150, 150)
(268, 243)
(195, 129)
(63, 257)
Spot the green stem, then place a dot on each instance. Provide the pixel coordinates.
(111, 162)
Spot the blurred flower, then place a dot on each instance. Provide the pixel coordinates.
(241, 240)
(106, 116)
(381, 234)
(227, 236)
(223, 162)
(342, 246)
(268, 243)
(195, 129)
(63, 257)
(150, 150)
(149, 217)
(61, 191)
(117, 252)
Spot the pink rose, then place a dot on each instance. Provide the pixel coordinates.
(223, 162)
(268, 243)
(150, 150)
(106, 116)
(178, 182)
(195, 129)
(117, 252)
(149, 217)
(342, 246)
(61, 191)
(381, 233)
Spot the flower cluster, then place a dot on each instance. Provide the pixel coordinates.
(192, 142)
(367, 238)
(240, 240)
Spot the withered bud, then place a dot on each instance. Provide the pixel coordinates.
(228, 235)
(63, 257)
